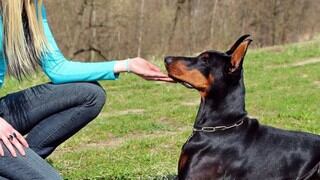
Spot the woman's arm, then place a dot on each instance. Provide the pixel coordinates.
(61, 70)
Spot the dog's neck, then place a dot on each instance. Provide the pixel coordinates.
(222, 107)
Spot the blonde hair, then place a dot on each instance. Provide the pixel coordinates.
(24, 39)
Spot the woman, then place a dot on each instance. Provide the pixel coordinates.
(48, 113)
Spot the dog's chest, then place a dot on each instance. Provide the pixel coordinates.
(201, 157)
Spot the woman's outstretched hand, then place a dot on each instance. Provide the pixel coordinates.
(12, 139)
(142, 68)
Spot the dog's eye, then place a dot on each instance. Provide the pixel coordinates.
(205, 58)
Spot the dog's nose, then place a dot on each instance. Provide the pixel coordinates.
(168, 60)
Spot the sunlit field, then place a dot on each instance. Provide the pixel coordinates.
(143, 125)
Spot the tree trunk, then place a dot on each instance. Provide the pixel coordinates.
(93, 30)
(140, 28)
(175, 22)
(212, 26)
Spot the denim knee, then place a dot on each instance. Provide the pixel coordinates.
(95, 95)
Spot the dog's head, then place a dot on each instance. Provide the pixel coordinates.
(211, 70)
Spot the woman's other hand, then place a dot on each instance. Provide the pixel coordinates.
(11, 138)
(142, 68)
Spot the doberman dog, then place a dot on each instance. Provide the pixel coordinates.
(226, 143)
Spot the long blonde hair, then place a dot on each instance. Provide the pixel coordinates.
(24, 40)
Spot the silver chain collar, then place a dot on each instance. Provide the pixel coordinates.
(218, 128)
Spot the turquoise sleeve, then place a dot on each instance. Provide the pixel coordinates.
(61, 70)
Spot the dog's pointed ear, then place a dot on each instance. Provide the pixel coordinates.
(238, 54)
(237, 43)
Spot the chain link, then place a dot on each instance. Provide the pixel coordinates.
(218, 128)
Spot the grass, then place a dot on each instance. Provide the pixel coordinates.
(143, 125)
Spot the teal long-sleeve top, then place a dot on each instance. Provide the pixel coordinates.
(58, 68)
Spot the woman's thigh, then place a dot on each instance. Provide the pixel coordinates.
(30, 166)
(25, 109)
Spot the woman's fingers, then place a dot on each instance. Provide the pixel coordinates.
(21, 139)
(11, 138)
(142, 66)
(148, 71)
(159, 78)
(154, 67)
(165, 79)
(148, 64)
(17, 144)
(1, 151)
(156, 74)
(8, 144)
(14, 140)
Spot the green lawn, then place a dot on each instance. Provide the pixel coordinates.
(144, 124)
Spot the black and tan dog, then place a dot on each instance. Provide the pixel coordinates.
(226, 144)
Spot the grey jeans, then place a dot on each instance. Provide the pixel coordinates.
(48, 115)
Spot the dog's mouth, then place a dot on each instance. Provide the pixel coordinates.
(184, 83)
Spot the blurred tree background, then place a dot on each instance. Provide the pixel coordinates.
(116, 29)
